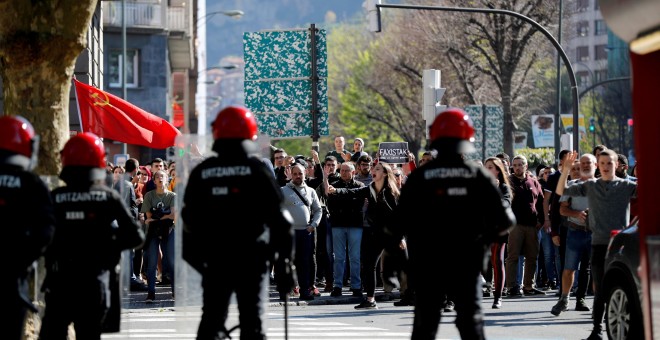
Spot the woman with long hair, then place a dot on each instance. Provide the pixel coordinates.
(159, 209)
(495, 166)
(382, 196)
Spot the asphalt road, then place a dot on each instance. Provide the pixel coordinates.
(331, 318)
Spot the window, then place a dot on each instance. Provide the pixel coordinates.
(582, 78)
(599, 27)
(600, 52)
(600, 75)
(582, 53)
(583, 28)
(115, 64)
(582, 5)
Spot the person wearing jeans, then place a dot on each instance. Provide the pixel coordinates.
(346, 219)
(159, 208)
(609, 209)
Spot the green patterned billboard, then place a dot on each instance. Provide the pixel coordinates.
(488, 119)
(278, 81)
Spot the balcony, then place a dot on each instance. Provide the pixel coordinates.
(138, 14)
(179, 23)
(178, 19)
(149, 15)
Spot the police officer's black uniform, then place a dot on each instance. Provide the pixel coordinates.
(28, 224)
(450, 211)
(93, 227)
(234, 256)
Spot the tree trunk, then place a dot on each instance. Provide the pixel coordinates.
(39, 44)
(508, 116)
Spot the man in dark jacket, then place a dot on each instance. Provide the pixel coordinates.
(93, 220)
(450, 188)
(27, 212)
(233, 183)
(346, 218)
(527, 205)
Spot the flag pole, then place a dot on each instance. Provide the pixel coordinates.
(124, 147)
(75, 91)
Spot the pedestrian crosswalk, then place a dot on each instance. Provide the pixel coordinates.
(170, 324)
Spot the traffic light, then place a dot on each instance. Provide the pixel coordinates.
(373, 14)
(592, 124)
(630, 124)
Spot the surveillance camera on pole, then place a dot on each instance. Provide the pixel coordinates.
(432, 95)
(373, 14)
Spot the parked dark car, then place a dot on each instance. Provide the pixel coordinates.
(622, 287)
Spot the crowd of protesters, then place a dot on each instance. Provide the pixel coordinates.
(344, 207)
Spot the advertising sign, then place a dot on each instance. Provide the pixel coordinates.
(543, 130)
(567, 122)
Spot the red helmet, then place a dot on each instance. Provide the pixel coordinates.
(453, 124)
(235, 122)
(84, 149)
(17, 135)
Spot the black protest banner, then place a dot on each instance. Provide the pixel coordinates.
(393, 152)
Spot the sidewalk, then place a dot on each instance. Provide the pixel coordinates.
(136, 300)
(326, 299)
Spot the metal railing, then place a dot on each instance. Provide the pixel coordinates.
(147, 14)
(178, 19)
(138, 14)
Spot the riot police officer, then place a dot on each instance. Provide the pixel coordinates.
(27, 213)
(93, 226)
(230, 256)
(453, 205)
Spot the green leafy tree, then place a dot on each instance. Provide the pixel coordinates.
(501, 48)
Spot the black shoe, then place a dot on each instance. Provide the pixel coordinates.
(336, 292)
(357, 292)
(449, 307)
(533, 291)
(487, 293)
(561, 306)
(404, 302)
(497, 303)
(514, 292)
(366, 304)
(384, 297)
(151, 296)
(596, 334)
(138, 286)
(581, 305)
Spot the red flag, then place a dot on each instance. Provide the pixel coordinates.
(109, 116)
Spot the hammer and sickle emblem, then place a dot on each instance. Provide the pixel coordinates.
(98, 101)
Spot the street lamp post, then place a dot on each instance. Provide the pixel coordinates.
(200, 25)
(234, 13)
(560, 50)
